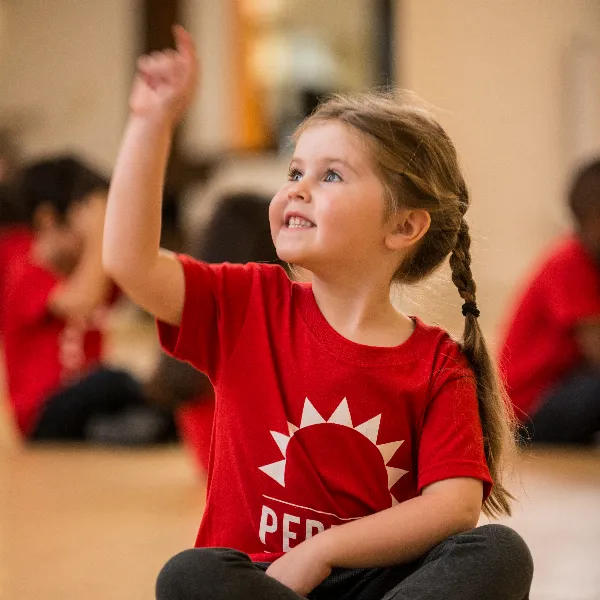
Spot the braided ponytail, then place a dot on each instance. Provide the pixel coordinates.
(496, 416)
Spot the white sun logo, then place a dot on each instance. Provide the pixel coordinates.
(341, 416)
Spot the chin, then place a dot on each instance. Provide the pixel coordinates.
(288, 257)
(286, 251)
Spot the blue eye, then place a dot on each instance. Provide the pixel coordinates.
(332, 176)
(294, 175)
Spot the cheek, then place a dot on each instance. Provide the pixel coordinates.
(278, 204)
(346, 220)
(276, 208)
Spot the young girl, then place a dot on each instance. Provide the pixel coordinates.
(353, 445)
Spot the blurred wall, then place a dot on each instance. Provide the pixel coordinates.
(65, 72)
(503, 73)
(517, 83)
(210, 125)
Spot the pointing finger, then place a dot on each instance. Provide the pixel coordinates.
(184, 43)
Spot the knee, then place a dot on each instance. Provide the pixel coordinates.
(508, 550)
(195, 573)
(174, 578)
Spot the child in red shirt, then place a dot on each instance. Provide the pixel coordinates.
(551, 352)
(55, 296)
(354, 446)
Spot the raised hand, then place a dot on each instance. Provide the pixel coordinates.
(166, 81)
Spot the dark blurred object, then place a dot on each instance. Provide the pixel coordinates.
(11, 212)
(10, 157)
(584, 198)
(59, 181)
(309, 100)
(385, 43)
(238, 232)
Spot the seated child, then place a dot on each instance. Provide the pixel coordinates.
(55, 296)
(551, 353)
(354, 446)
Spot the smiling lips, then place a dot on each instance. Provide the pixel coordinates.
(299, 223)
(296, 220)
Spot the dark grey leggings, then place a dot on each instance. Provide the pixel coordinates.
(107, 406)
(491, 562)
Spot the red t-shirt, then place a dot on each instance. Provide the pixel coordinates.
(540, 346)
(313, 430)
(15, 242)
(42, 353)
(195, 424)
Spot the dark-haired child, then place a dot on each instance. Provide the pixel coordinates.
(551, 352)
(55, 297)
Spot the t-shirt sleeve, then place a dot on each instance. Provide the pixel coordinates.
(214, 311)
(451, 443)
(572, 287)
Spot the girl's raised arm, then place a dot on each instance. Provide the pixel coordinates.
(162, 91)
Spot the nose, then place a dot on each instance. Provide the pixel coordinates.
(299, 191)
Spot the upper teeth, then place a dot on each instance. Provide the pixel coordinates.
(299, 222)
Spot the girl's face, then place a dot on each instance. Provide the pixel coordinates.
(330, 213)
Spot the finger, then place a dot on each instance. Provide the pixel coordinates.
(147, 65)
(184, 43)
(158, 67)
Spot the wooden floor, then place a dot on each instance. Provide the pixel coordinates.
(558, 515)
(85, 524)
(88, 524)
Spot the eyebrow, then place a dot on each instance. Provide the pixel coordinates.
(327, 160)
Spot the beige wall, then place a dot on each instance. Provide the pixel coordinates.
(498, 71)
(65, 70)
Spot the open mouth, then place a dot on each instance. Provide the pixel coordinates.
(298, 223)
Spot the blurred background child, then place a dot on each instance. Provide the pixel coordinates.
(54, 302)
(551, 354)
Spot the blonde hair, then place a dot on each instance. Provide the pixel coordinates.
(419, 168)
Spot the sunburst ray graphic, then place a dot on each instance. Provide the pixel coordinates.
(341, 416)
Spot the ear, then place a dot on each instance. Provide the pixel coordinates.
(45, 217)
(407, 228)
